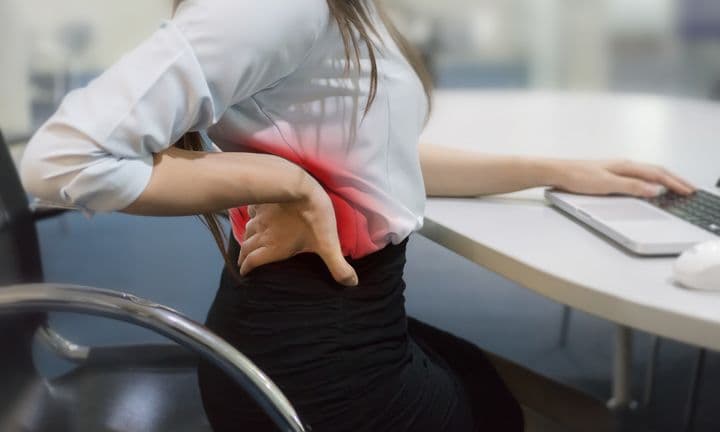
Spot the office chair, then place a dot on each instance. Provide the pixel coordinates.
(143, 388)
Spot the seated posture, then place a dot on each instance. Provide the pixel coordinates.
(302, 118)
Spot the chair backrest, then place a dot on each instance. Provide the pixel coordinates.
(19, 263)
(18, 237)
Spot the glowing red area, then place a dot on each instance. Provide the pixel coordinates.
(350, 204)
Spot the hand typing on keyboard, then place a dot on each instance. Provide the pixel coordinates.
(701, 209)
(617, 177)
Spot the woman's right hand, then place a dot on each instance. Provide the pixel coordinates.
(616, 176)
(278, 231)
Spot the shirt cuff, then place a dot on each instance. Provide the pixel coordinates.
(123, 180)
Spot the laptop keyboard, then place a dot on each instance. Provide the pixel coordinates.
(701, 209)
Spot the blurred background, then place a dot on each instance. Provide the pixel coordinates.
(666, 47)
(657, 46)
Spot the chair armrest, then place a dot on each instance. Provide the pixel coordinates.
(18, 138)
(164, 355)
(40, 209)
(164, 321)
(39, 214)
(64, 348)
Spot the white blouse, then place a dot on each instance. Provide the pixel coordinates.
(260, 76)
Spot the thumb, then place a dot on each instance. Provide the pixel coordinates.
(340, 269)
(637, 188)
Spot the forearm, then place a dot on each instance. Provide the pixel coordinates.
(187, 182)
(455, 172)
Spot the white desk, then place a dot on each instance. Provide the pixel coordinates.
(520, 237)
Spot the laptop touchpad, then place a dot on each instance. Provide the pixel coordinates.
(624, 210)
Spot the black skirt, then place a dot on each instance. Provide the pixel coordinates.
(348, 359)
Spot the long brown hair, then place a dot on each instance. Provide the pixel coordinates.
(351, 16)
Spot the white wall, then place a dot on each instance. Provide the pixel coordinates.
(29, 38)
(642, 17)
(14, 111)
(115, 26)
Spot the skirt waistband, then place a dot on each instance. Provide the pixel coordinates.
(373, 268)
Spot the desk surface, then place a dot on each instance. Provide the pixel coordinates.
(521, 237)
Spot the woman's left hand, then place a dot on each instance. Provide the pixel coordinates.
(617, 177)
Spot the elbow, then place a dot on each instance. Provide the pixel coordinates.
(71, 171)
(33, 171)
(49, 169)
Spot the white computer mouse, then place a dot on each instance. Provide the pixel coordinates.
(699, 267)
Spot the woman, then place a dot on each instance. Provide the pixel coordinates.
(318, 106)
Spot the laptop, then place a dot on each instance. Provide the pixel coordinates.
(666, 225)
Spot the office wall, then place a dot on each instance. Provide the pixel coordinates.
(569, 44)
(562, 43)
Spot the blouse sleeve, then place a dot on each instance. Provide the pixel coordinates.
(96, 151)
